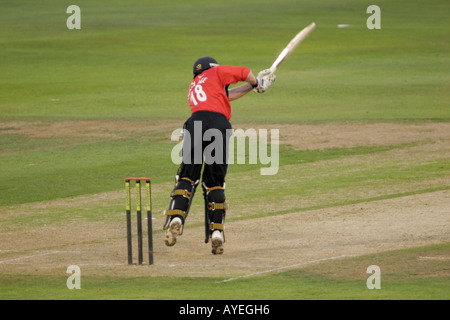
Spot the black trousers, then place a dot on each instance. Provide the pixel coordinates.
(205, 144)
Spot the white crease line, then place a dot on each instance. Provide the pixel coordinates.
(10, 261)
(288, 267)
(27, 257)
(434, 258)
(61, 265)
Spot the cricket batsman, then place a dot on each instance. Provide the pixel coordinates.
(209, 99)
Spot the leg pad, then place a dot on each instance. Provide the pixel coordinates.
(180, 204)
(215, 209)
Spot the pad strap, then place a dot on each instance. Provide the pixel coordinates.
(208, 190)
(217, 206)
(216, 226)
(189, 180)
(176, 212)
(181, 192)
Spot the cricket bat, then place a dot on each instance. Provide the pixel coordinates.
(292, 45)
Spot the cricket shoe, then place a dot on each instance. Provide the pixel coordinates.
(173, 231)
(217, 241)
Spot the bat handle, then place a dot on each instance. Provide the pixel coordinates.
(273, 69)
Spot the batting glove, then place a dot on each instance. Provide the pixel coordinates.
(265, 80)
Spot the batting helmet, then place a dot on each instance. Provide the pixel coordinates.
(202, 64)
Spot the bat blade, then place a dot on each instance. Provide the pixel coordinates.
(299, 37)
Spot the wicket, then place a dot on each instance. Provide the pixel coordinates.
(139, 219)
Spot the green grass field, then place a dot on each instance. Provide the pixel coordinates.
(407, 278)
(82, 109)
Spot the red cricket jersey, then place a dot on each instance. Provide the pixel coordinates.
(207, 91)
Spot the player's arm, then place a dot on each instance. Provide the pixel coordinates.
(240, 91)
(260, 84)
